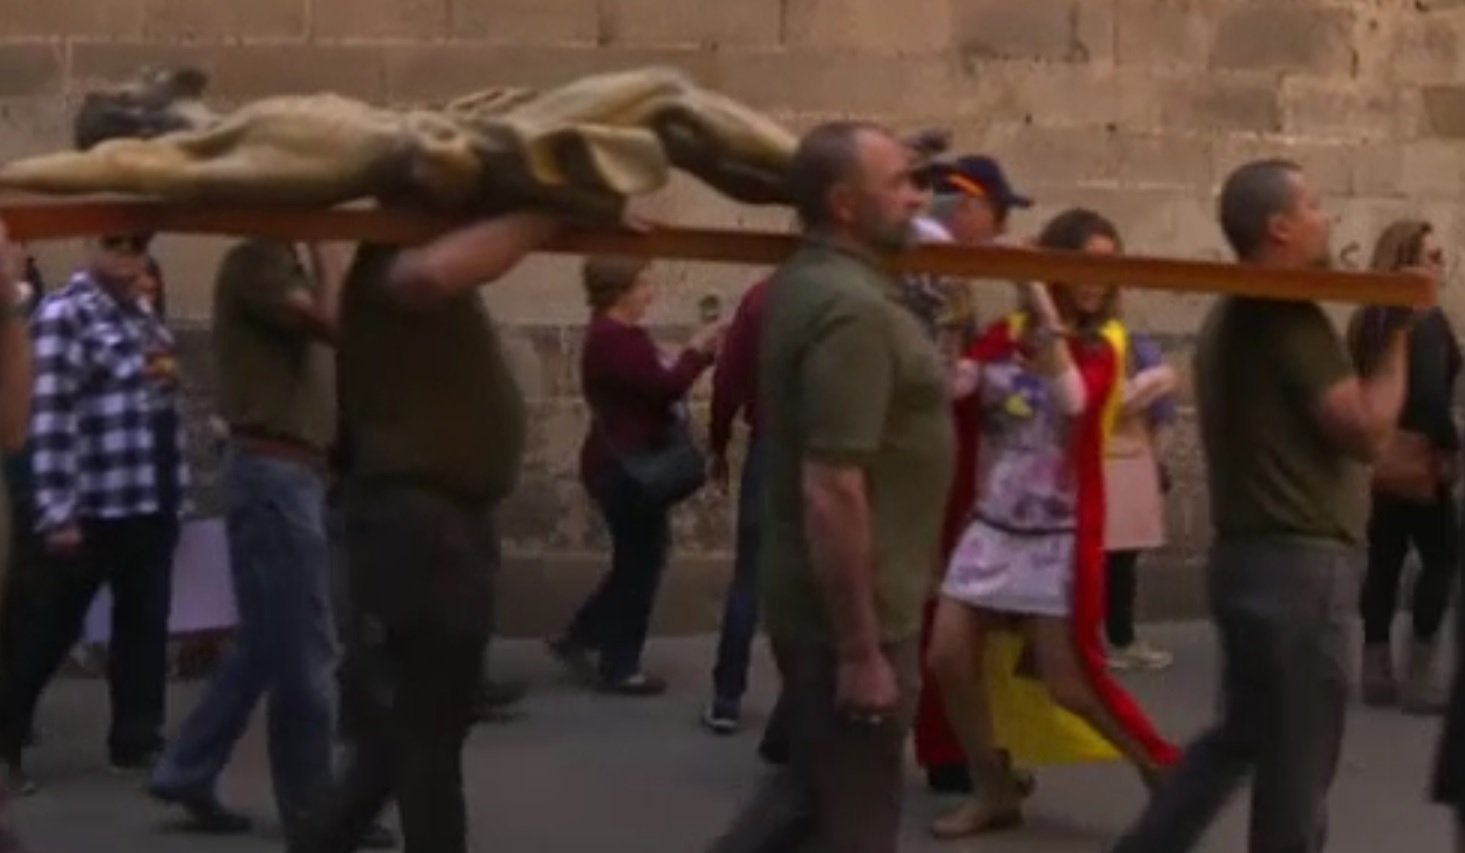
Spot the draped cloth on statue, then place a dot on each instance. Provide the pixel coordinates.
(1026, 721)
(582, 148)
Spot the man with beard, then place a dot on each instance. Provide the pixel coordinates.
(858, 440)
(1286, 429)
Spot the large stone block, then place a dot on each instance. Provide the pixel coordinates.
(32, 70)
(677, 23)
(33, 125)
(1220, 102)
(1164, 33)
(1164, 159)
(429, 72)
(1432, 168)
(379, 19)
(874, 25)
(1444, 111)
(819, 83)
(166, 20)
(1044, 30)
(1075, 96)
(527, 21)
(1054, 158)
(1342, 108)
(244, 72)
(1415, 48)
(1284, 37)
(119, 19)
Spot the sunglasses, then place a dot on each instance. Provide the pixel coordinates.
(131, 244)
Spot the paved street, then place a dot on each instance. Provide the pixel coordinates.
(581, 772)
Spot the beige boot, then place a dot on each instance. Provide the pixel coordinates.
(1379, 686)
(1420, 695)
(995, 805)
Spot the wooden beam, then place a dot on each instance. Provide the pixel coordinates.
(35, 221)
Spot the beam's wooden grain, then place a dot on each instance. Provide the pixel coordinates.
(34, 221)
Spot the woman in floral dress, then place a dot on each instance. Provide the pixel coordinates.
(1031, 554)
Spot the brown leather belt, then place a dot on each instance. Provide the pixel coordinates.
(279, 446)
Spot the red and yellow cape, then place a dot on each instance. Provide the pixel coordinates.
(1026, 721)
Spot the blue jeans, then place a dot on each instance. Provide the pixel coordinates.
(740, 613)
(285, 643)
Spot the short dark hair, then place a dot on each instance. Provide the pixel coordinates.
(608, 277)
(826, 155)
(1251, 196)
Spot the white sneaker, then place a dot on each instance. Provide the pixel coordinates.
(1139, 655)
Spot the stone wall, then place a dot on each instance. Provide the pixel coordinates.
(1134, 107)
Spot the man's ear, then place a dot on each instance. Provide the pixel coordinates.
(1279, 229)
(842, 203)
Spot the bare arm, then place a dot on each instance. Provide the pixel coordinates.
(837, 523)
(319, 314)
(1147, 386)
(15, 353)
(1359, 415)
(468, 258)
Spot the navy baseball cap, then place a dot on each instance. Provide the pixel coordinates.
(979, 176)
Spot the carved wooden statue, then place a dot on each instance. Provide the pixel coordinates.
(583, 148)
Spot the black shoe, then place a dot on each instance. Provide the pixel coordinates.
(497, 701)
(16, 780)
(206, 814)
(722, 717)
(500, 694)
(774, 751)
(378, 837)
(127, 763)
(637, 684)
(573, 657)
(949, 779)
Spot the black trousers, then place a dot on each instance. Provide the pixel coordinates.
(421, 568)
(1394, 526)
(616, 618)
(1120, 588)
(842, 789)
(134, 556)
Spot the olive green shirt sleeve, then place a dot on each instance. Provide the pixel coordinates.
(848, 373)
(262, 278)
(1311, 356)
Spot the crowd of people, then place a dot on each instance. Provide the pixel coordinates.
(938, 519)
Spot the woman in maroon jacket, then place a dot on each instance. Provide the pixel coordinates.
(635, 399)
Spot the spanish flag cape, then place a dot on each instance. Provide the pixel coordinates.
(1027, 722)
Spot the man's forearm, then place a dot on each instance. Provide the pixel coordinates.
(330, 274)
(837, 524)
(469, 257)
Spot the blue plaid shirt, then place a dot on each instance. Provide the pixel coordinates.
(106, 433)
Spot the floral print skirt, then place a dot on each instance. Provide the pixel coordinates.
(1012, 572)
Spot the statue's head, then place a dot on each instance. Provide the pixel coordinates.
(155, 102)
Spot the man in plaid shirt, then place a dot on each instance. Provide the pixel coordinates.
(109, 478)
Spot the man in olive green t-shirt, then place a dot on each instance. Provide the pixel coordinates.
(434, 426)
(274, 325)
(1287, 428)
(858, 450)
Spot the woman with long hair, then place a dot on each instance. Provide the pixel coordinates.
(1040, 388)
(1413, 500)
